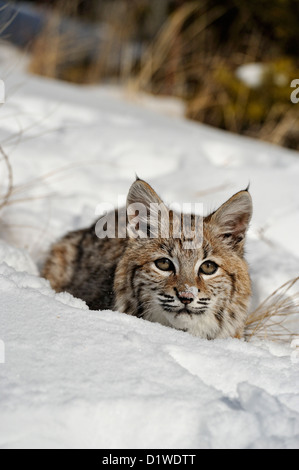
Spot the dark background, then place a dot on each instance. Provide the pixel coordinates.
(191, 50)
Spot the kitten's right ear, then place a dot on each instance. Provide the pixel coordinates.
(232, 219)
(146, 210)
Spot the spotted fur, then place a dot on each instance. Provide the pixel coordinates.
(122, 274)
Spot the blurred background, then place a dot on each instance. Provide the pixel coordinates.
(230, 61)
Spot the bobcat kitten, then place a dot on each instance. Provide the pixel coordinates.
(204, 290)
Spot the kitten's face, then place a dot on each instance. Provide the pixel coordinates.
(204, 291)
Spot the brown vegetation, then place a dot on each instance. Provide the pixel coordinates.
(194, 55)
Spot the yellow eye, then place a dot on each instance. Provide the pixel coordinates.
(208, 268)
(165, 264)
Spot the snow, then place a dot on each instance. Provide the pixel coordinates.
(17, 259)
(78, 378)
(252, 75)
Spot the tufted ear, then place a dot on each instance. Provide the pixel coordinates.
(146, 212)
(231, 220)
(142, 192)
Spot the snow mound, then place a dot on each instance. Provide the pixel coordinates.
(74, 377)
(20, 260)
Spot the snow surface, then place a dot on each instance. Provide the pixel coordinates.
(78, 378)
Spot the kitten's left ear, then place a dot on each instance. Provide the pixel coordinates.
(232, 219)
(142, 192)
(147, 211)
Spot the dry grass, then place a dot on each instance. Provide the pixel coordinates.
(53, 50)
(272, 319)
(170, 59)
(183, 60)
(115, 58)
(61, 55)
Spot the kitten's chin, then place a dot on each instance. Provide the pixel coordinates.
(184, 311)
(203, 325)
(197, 325)
(181, 320)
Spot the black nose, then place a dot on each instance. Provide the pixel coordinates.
(185, 300)
(185, 297)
